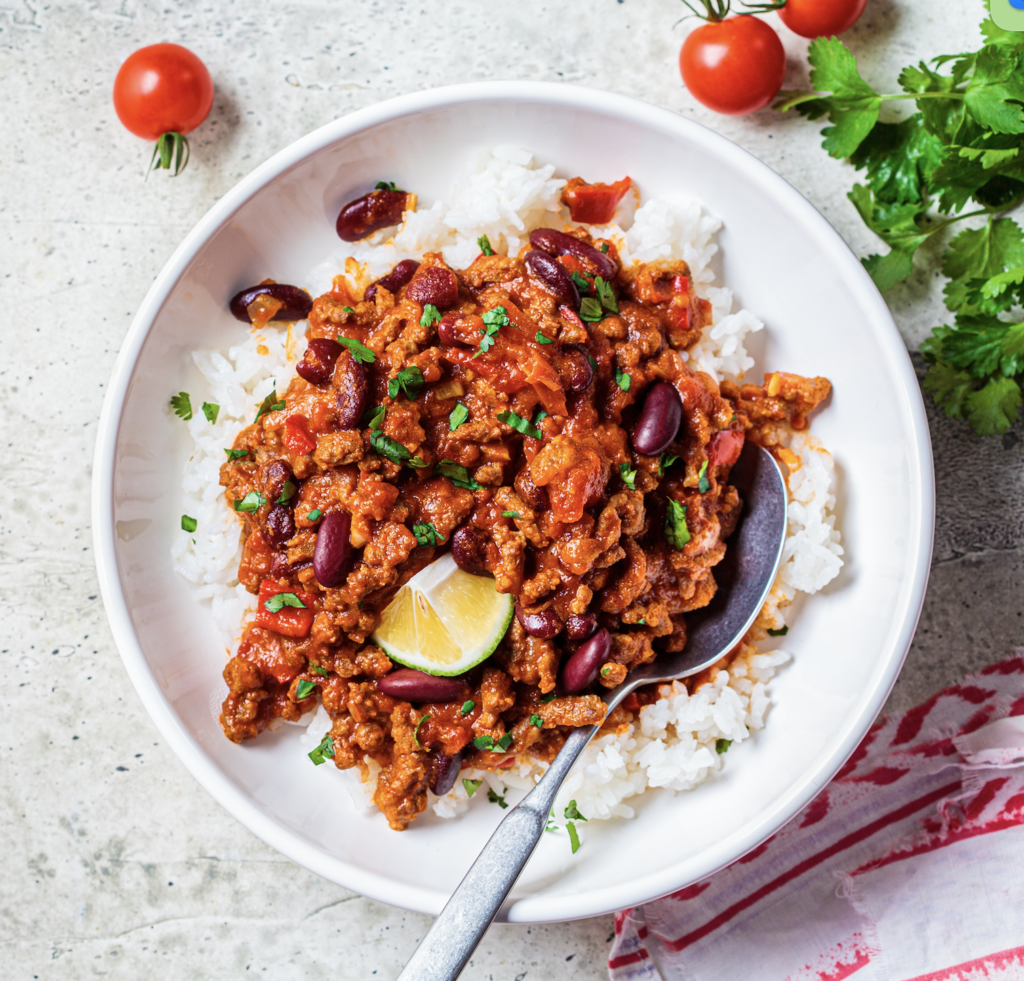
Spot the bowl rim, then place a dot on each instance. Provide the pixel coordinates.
(529, 909)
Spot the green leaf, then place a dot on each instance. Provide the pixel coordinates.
(269, 404)
(989, 158)
(996, 82)
(373, 418)
(426, 534)
(582, 284)
(541, 339)
(628, 476)
(591, 310)
(993, 409)
(889, 269)
(275, 603)
(409, 380)
(385, 186)
(899, 159)
(852, 105)
(677, 534)
(511, 514)
(472, 786)
(493, 320)
(703, 484)
(251, 503)
(188, 524)
(519, 424)
(572, 813)
(949, 387)
(574, 838)
(606, 295)
(664, 462)
(211, 410)
(484, 244)
(467, 707)
(457, 416)
(549, 697)
(897, 226)
(722, 745)
(357, 349)
(319, 670)
(182, 406)
(457, 474)
(416, 733)
(981, 253)
(536, 720)
(324, 751)
(941, 117)
(287, 492)
(394, 451)
(495, 798)
(304, 689)
(486, 743)
(622, 379)
(431, 315)
(781, 632)
(504, 742)
(236, 454)
(314, 515)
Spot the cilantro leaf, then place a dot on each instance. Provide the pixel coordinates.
(314, 515)
(182, 406)
(541, 339)
(416, 733)
(941, 117)
(409, 380)
(457, 417)
(467, 707)
(269, 404)
(251, 503)
(486, 743)
(493, 320)
(949, 387)
(993, 409)
(899, 159)
(236, 454)
(188, 524)
(304, 689)
(703, 484)
(980, 253)
(677, 534)
(495, 798)
(582, 284)
(431, 315)
(457, 474)
(664, 462)
(287, 492)
(373, 418)
(574, 838)
(622, 379)
(275, 603)
(394, 451)
(591, 310)
(472, 786)
(536, 720)
(357, 349)
(606, 295)
(549, 697)
(781, 632)
(324, 751)
(519, 424)
(319, 670)
(211, 410)
(572, 812)
(628, 476)
(484, 244)
(426, 534)
(386, 186)
(722, 745)
(511, 514)
(897, 226)
(993, 86)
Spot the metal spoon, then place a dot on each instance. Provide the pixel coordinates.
(744, 579)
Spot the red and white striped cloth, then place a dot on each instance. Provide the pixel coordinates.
(909, 866)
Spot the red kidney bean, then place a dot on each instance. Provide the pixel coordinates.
(317, 364)
(575, 368)
(460, 330)
(539, 623)
(536, 497)
(659, 419)
(558, 243)
(394, 280)
(332, 556)
(272, 478)
(418, 686)
(372, 211)
(350, 392)
(580, 626)
(434, 284)
(444, 771)
(469, 550)
(552, 274)
(297, 303)
(581, 669)
(278, 526)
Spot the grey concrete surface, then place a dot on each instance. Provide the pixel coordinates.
(117, 864)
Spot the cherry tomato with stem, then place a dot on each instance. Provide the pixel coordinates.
(162, 92)
(821, 18)
(733, 65)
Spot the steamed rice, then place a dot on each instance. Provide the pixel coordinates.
(673, 743)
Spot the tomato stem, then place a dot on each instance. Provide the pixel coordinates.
(717, 10)
(171, 152)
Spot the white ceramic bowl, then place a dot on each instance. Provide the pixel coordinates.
(824, 316)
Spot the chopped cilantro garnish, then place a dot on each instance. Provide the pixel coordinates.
(539, 415)
(703, 484)
(676, 532)
(606, 295)
(551, 826)
(287, 492)
(593, 363)
(541, 339)
(279, 600)
(426, 534)
(408, 380)
(722, 745)
(664, 462)
(394, 451)
(373, 418)
(604, 248)
(496, 798)
(628, 476)
(484, 244)
(488, 744)
(590, 309)
(536, 720)
(250, 504)
(304, 689)
(188, 524)
(511, 514)
(781, 632)
(493, 320)
(211, 411)
(505, 741)
(549, 697)
(324, 751)
(314, 515)
(581, 283)
(574, 837)
(472, 786)
(416, 734)
(358, 350)
(622, 379)
(467, 706)
(457, 417)
(642, 622)
(519, 424)
(236, 454)
(319, 670)
(182, 406)
(572, 812)
(348, 309)
(431, 315)
(457, 474)
(269, 404)
(386, 186)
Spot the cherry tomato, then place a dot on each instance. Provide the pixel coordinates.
(163, 88)
(733, 66)
(821, 18)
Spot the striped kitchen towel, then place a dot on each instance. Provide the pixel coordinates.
(908, 866)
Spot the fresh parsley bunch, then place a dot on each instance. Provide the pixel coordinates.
(960, 155)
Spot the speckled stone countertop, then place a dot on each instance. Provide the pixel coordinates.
(117, 864)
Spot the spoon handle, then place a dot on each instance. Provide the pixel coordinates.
(454, 935)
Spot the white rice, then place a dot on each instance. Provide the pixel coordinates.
(504, 194)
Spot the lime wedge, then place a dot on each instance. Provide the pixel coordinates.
(443, 620)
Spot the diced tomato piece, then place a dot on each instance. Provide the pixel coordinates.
(725, 447)
(679, 316)
(594, 204)
(297, 437)
(289, 620)
(681, 284)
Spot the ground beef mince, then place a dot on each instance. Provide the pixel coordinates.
(557, 443)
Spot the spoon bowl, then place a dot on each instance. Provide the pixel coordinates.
(744, 579)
